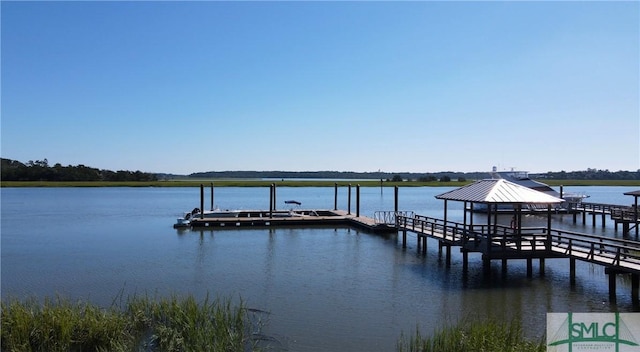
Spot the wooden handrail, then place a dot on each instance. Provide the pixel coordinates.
(600, 249)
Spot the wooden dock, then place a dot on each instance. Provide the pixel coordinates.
(627, 216)
(497, 242)
(299, 218)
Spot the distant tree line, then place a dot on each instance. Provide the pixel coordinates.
(589, 174)
(336, 175)
(40, 170)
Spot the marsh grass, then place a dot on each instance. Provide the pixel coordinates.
(482, 335)
(168, 324)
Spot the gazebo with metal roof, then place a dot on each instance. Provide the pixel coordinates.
(493, 193)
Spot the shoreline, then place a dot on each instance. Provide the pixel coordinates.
(294, 183)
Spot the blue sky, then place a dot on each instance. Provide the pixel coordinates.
(184, 87)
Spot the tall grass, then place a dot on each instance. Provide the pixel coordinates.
(170, 324)
(486, 335)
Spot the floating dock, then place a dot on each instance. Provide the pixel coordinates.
(288, 218)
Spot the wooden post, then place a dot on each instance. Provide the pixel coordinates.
(212, 196)
(612, 285)
(201, 201)
(335, 196)
(603, 218)
(440, 249)
(529, 267)
(271, 200)
(635, 214)
(349, 201)
(404, 238)
(395, 199)
(486, 265)
(572, 271)
(635, 280)
(465, 260)
(445, 218)
(275, 207)
(504, 265)
(489, 229)
(518, 225)
(358, 200)
(424, 245)
(448, 259)
(548, 239)
(541, 266)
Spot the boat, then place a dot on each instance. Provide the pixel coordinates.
(293, 212)
(185, 221)
(522, 178)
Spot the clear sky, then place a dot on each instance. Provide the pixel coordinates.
(184, 87)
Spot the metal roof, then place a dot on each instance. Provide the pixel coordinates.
(633, 193)
(498, 191)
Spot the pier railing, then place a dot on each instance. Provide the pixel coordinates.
(389, 217)
(605, 208)
(497, 240)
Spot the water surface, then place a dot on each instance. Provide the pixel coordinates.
(325, 288)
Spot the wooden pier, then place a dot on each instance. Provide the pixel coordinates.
(627, 216)
(497, 242)
(301, 218)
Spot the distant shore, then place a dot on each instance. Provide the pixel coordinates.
(294, 183)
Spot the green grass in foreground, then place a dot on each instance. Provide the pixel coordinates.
(183, 324)
(175, 324)
(487, 335)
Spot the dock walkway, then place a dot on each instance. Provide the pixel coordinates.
(300, 218)
(617, 256)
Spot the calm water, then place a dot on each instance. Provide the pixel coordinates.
(326, 289)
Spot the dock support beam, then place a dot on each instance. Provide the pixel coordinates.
(486, 265)
(635, 281)
(404, 238)
(612, 285)
(424, 245)
(395, 199)
(275, 207)
(358, 200)
(572, 271)
(465, 261)
(335, 196)
(201, 201)
(349, 201)
(271, 200)
(529, 267)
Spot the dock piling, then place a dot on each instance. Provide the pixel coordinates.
(358, 200)
(201, 201)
